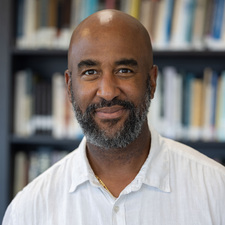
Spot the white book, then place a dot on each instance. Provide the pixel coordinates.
(223, 31)
(22, 104)
(58, 105)
(30, 17)
(160, 41)
(75, 13)
(170, 104)
(182, 24)
(221, 110)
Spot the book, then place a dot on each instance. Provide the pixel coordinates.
(110, 4)
(22, 103)
(135, 8)
(88, 7)
(20, 19)
(199, 24)
(220, 120)
(52, 13)
(172, 114)
(163, 20)
(148, 11)
(66, 12)
(20, 172)
(210, 8)
(44, 13)
(41, 159)
(207, 108)
(196, 110)
(58, 105)
(214, 97)
(125, 6)
(186, 99)
(29, 18)
(216, 41)
(182, 23)
(218, 19)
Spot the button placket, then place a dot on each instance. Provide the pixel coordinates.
(118, 213)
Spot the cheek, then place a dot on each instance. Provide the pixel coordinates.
(83, 94)
(137, 88)
(135, 93)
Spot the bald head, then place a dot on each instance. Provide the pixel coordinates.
(108, 23)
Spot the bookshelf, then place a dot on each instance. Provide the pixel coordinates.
(46, 62)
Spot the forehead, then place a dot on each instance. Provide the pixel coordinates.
(108, 44)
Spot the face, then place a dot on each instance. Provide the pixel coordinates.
(109, 85)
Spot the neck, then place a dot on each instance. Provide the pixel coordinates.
(120, 166)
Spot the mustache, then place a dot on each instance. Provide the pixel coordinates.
(104, 103)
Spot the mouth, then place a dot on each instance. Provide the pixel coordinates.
(112, 112)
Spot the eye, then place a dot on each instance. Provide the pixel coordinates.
(90, 72)
(125, 70)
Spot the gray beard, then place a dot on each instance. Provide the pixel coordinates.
(123, 137)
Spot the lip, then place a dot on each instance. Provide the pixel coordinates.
(112, 112)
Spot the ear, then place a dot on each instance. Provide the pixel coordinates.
(68, 82)
(153, 77)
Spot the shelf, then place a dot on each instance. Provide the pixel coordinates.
(188, 53)
(39, 52)
(211, 148)
(157, 53)
(44, 140)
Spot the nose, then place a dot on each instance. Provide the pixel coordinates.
(108, 88)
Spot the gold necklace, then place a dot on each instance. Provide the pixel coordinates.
(102, 183)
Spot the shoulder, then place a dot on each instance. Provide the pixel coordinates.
(192, 157)
(36, 197)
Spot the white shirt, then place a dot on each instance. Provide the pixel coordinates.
(176, 185)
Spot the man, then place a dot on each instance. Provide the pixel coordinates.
(123, 172)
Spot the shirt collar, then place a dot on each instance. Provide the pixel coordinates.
(82, 170)
(154, 172)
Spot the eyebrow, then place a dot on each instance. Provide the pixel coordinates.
(127, 62)
(87, 63)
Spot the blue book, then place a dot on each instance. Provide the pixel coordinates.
(218, 19)
(187, 96)
(190, 7)
(169, 19)
(88, 7)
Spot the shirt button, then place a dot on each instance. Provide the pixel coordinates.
(116, 208)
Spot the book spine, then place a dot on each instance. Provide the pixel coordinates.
(110, 4)
(135, 8)
(218, 19)
(20, 18)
